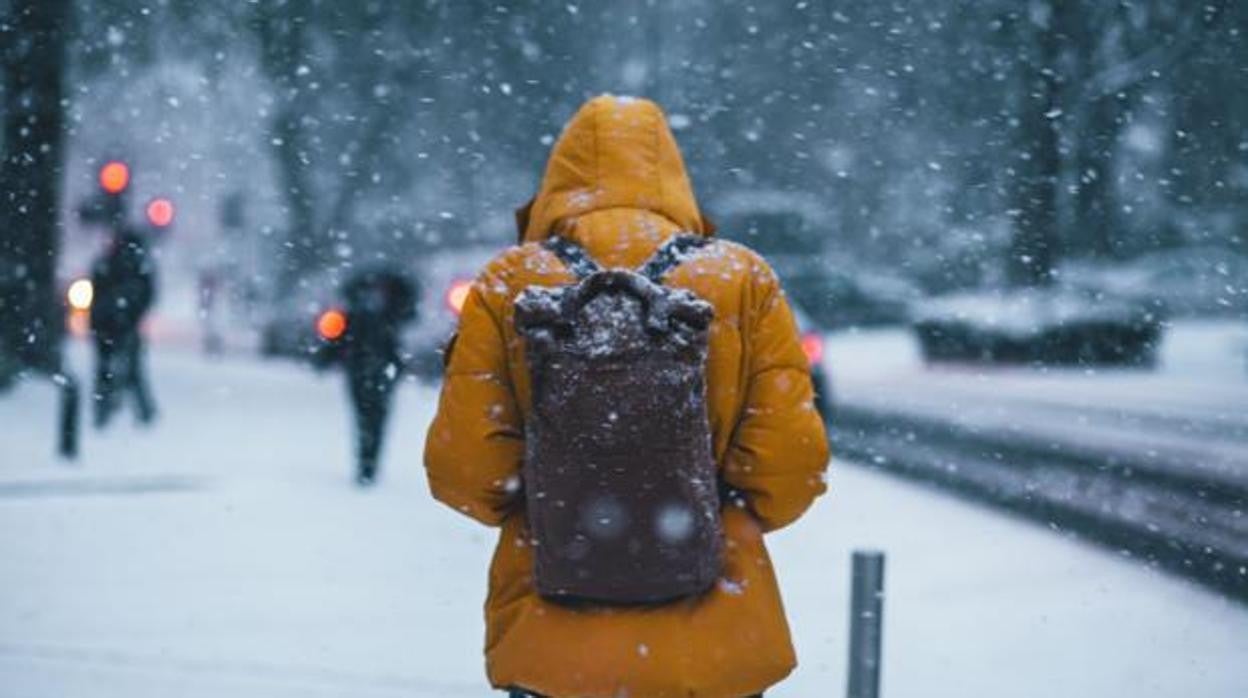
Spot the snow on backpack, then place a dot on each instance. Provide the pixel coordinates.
(620, 479)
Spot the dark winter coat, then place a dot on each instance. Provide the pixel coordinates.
(124, 284)
(378, 303)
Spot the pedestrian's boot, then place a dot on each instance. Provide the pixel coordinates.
(103, 406)
(366, 475)
(146, 411)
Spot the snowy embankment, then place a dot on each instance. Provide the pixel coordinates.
(1151, 461)
(225, 553)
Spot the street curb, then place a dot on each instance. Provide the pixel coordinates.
(1191, 526)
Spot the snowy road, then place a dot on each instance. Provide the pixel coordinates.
(225, 554)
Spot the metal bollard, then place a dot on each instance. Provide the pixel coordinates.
(67, 443)
(865, 624)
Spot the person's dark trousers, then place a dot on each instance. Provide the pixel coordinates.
(136, 377)
(104, 397)
(119, 371)
(370, 384)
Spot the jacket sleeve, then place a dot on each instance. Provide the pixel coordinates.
(475, 445)
(779, 449)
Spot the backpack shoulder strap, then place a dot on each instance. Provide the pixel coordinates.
(573, 256)
(670, 255)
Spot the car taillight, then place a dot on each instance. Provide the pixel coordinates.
(457, 295)
(812, 346)
(331, 325)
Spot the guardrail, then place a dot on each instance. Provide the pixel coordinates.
(1188, 518)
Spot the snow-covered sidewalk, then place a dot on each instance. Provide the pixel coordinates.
(224, 553)
(1154, 460)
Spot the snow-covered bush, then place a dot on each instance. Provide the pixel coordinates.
(1197, 281)
(1037, 325)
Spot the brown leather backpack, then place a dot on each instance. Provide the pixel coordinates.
(620, 479)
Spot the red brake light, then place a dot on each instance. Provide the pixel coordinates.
(331, 325)
(457, 295)
(812, 346)
(160, 212)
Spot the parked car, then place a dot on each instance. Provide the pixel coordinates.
(1038, 326)
(295, 326)
(446, 278)
(812, 346)
(288, 329)
(787, 229)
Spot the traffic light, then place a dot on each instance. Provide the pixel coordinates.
(107, 206)
(160, 212)
(114, 177)
(331, 325)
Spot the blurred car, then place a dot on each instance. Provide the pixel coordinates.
(296, 327)
(840, 294)
(1038, 326)
(289, 328)
(786, 228)
(447, 276)
(813, 347)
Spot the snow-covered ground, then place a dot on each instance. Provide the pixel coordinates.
(1192, 409)
(224, 553)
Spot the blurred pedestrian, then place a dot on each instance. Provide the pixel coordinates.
(615, 197)
(379, 302)
(124, 284)
(210, 288)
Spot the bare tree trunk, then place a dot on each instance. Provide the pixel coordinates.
(302, 250)
(1096, 224)
(283, 37)
(1097, 119)
(365, 153)
(30, 180)
(1034, 247)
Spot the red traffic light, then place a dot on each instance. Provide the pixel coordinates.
(457, 295)
(331, 325)
(160, 212)
(812, 347)
(114, 176)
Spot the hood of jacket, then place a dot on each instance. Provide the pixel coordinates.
(616, 152)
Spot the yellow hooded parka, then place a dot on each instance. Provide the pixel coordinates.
(616, 184)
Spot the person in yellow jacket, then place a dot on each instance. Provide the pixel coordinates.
(616, 185)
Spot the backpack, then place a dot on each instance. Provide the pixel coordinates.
(620, 478)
